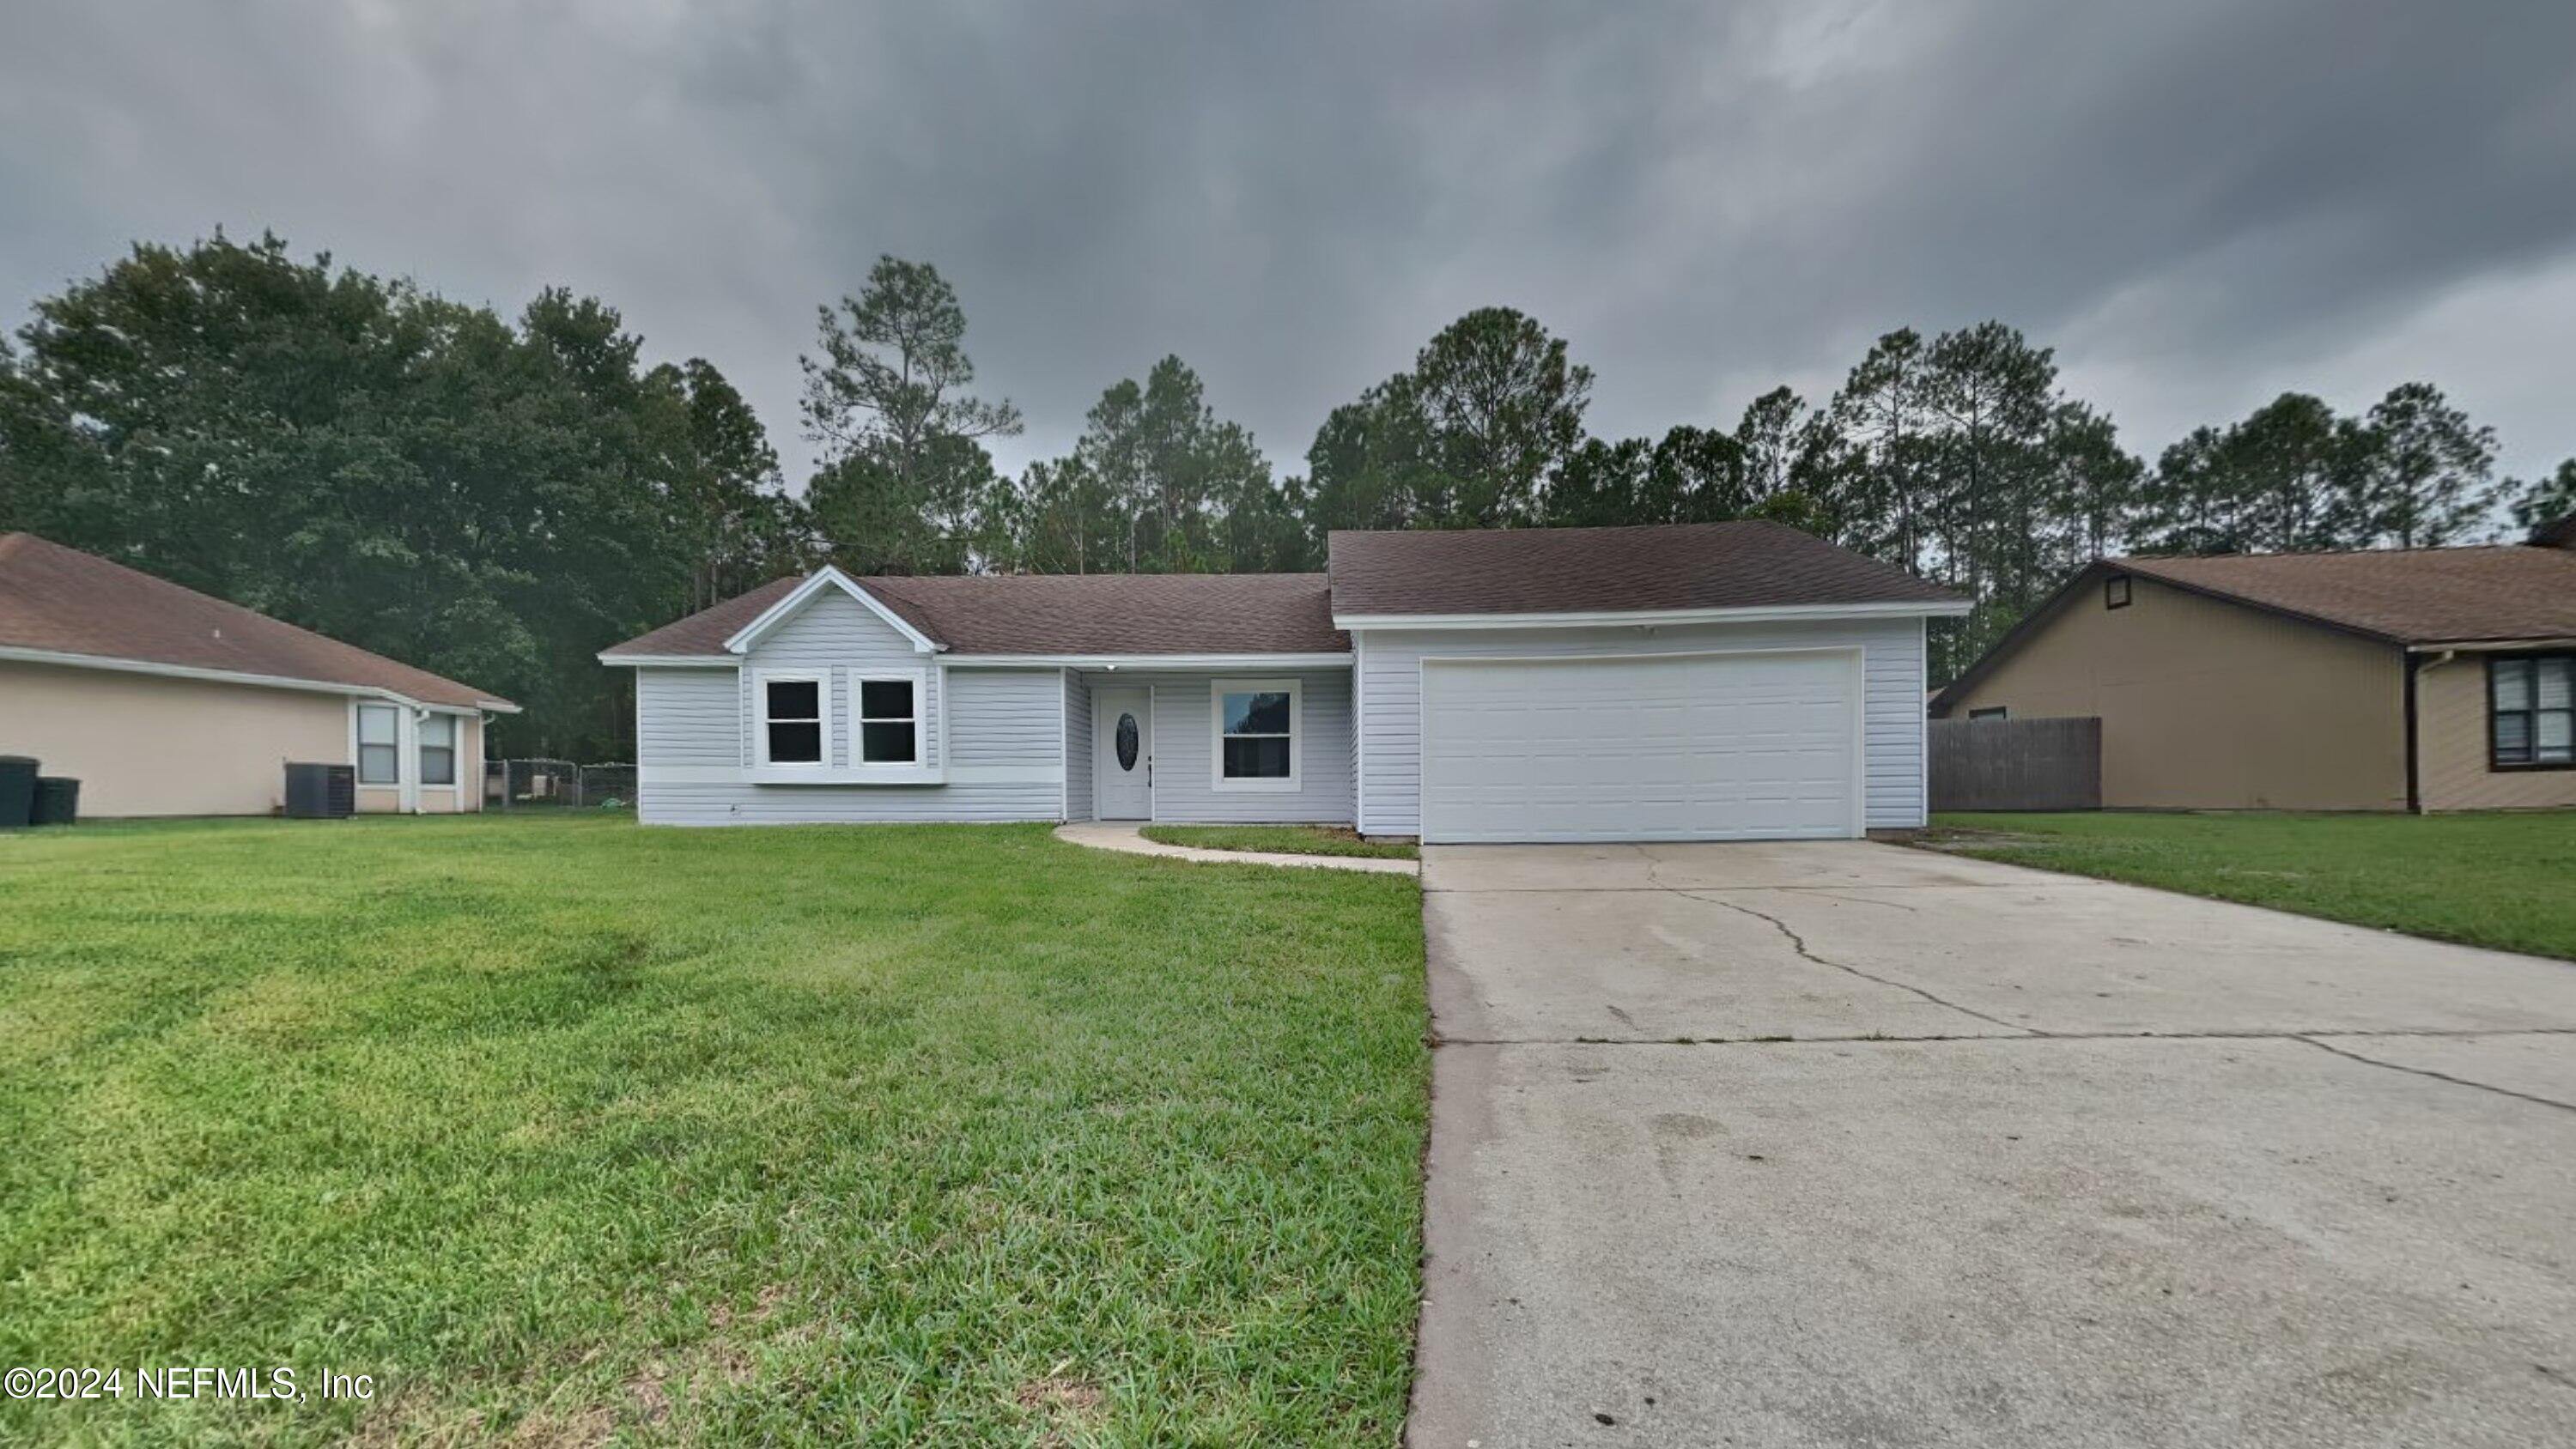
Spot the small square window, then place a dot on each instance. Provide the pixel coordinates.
(2531, 712)
(1256, 734)
(2115, 592)
(1995, 711)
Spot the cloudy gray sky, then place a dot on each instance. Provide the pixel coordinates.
(2199, 203)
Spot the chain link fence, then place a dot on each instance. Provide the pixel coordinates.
(557, 785)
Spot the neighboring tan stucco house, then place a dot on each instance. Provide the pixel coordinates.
(164, 701)
(2410, 679)
(1692, 682)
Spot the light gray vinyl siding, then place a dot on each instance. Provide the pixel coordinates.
(1390, 661)
(687, 717)
(1077, 747)
(1002, 764)
(1184, 744)
(836, 635)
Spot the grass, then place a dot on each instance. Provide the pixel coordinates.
(2499, 880)
(568, 1130)
(1282, 839)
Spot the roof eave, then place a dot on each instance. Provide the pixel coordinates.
(1250, 659)
(670, 661)
(120, 665)
(1576, 618)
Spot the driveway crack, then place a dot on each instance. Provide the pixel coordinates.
(1798, 943)
(2438, 1076)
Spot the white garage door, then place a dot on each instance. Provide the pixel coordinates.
(1670, 747)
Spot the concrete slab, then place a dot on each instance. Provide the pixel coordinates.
(2537, 1065)
(2184, 1173)
(2057, 956)
(1647, 966)
(1112, 835)
(1992, 1243)
(1811, 864)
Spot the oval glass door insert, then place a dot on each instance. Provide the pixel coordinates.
(1127, 741)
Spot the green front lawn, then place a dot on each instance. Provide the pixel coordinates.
(2504, 880)
(1282, 839)
(567, 1129)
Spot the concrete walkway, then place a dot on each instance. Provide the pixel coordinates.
(1116, 835)
(1844, 1144)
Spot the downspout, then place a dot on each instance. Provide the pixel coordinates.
(2415, 665)
(2414, 756)
(408, 771)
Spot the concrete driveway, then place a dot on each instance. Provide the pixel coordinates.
(1846, 1144)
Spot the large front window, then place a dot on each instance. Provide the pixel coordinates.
(379, 744)
(793, 726)
(2531, 712)
(1256, 734)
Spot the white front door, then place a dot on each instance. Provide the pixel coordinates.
(1749, 746)
(1122, 742)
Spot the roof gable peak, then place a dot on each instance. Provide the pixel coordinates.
(829, 576)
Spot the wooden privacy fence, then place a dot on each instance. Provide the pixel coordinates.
(2017, 764)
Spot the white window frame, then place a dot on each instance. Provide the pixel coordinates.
(919, 680)
(358, 743)
(455, 749)
(1218, 781)
(761, 679)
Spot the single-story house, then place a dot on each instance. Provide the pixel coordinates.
(164, 701)
(2415, 679)
(1697, 682)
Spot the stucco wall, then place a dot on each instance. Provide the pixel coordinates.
(2215, 706)
(144, 745)
(2451, 730)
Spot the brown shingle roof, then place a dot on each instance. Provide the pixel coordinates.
(1062, 614)
(63, 601)
(2406, 596)
(705, 631)
(1748, 564)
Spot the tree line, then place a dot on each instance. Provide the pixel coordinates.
(497, 499)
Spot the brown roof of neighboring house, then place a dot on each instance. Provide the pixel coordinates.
(1058, 614)
(61, 601)
(2489, 594)
(1748, 564)
(2405, 596)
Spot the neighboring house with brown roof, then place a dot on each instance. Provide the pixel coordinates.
(1707, 681)
(165, 701)
(2420, 679)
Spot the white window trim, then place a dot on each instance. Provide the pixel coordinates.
(357, 757)
(455, 751)
(1218, 689)
(761, 679)
(919, 680)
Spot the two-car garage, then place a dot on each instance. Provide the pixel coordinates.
(1738, 745)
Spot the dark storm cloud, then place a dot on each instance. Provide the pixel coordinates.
(2198, 203)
